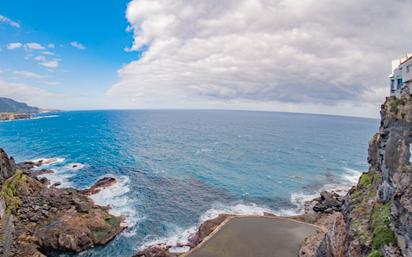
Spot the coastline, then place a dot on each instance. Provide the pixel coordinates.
(320, 212)
(37, 217)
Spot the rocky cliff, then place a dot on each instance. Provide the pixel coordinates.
(377, 212)
(37, 219)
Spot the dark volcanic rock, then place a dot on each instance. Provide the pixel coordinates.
(328, 202)
(99, 185)
(41, 172)
(156, 251)
(7, 166)
(50, 219)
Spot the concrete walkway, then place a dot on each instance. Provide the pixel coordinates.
(255, 237)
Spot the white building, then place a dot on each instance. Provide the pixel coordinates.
(401, 75)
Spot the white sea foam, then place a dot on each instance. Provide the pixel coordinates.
(74, 166)
(181, 236)
(116, 197)
(59, 177)
(43, 117)
(48, 161)
(349, 179)
(351, 175)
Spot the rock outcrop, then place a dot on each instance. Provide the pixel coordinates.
(7, 166)
(38, 219)
(377, 212)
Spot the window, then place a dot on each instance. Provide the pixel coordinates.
(408, 67)
(392, 84)
(400, 83)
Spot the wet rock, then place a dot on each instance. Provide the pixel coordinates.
(100, 185)
(41, 172)
(156, 251)
(329, 202)
(206, 229)
(56, 184)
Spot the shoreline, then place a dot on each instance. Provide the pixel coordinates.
(316, 213)
(42, 218)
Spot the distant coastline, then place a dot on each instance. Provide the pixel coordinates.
(14, 116)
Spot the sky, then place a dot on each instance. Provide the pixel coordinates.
(309, 56)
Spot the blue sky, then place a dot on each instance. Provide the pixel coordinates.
(87, 73)
(315, 56)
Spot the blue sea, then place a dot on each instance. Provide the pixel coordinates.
(177, 168)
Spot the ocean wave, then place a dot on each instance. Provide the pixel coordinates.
(74, 166)
(116, 197)
(46, 162)
(62, 174)
(348, 179)
(44, 117)
(181, 236)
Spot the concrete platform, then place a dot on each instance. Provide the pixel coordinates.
(255, 237)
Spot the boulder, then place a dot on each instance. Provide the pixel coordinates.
(100, 185)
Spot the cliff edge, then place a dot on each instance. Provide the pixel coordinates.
(36, 219)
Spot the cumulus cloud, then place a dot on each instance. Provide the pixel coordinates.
(28, 74)
(34, 46)
(77, 45)
(263, 51)
(50, 64)
(8, 21)
(13, 46)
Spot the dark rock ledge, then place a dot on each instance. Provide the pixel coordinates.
(37, 219)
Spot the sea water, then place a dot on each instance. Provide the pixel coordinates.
(176, 169)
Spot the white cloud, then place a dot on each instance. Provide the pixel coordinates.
(77, 45)
(8, 21)
(26, 93)
(35, 46)
(28, 74)
(47, 53)
(13, 46)
(267, 52)
(51, 46)
(40, 58)
(50, 64)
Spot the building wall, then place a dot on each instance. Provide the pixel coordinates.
(407, 71)
(401, 75)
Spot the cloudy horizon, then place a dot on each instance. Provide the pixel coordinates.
(323, 56)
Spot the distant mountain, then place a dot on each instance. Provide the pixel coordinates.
(10, 105)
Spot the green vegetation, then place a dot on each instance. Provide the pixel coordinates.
(394, 105)
(111, 220)
(364, 180)
(382, 234)
(375, 253)
(9, 191)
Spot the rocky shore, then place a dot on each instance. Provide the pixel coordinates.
(373, 219)
(37, 218)
(14, 116)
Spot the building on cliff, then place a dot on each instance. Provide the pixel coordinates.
(401, 75)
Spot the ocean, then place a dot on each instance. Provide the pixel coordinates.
(177, 168)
